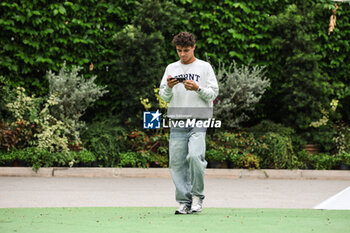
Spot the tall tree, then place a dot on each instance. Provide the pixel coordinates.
(299, 90)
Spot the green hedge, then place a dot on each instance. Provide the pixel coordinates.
(37, 36)
(127, 44)
(306, 66)
(36, 158)
(239, 150)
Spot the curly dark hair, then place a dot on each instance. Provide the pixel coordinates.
(184, 39)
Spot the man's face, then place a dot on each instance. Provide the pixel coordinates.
(186, 54)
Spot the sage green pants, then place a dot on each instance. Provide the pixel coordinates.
(187, 162)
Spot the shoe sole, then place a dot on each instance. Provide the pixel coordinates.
(195, 211)
(187, 212)
(179, 213)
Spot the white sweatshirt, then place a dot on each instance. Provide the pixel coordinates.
(178, 97)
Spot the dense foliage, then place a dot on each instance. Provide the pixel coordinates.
(73, 95)
(37, 36)
(241, 88)
(278, 34)
(126, 44)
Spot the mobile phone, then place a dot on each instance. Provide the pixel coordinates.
(178, 79)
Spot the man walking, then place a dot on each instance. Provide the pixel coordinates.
(189, 86)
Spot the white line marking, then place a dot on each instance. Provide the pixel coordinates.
(340, 201)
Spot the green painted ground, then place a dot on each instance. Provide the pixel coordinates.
(133, 220)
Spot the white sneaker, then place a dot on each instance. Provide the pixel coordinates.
(183, 209)
(196, 204)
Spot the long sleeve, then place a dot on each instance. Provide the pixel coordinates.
(165, 92)
(211, 91)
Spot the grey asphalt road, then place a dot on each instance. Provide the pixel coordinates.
(19, 192)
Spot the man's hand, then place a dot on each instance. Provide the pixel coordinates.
(190, 85)
(171, 82)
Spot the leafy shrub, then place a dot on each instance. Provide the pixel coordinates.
(24, 107)
(156, 102)
(106, 139)
(240, 142)
(24, 111)
(31, 156)
(52, 133)
(8, 137)
(323, 136)
(218, 148)
(37, 158)
(278, 153)
(158, 149)
(159, 143)
(7, 95)
(341, 138)
(153, 148)
(56, 122)
(323, 161)
(137, 140)
(247, 160)
(301, 87)
(272, 149)
(266, 126)
(239, 149)
(34, 157)
(345, 158)
(215, 155)
(132, 159)
(302, 157)
(328, 131)
(34, 125)
(158, 160)
(74, 94)
(83, 158)
(240, 90)
(6, 157)
(19, 134)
